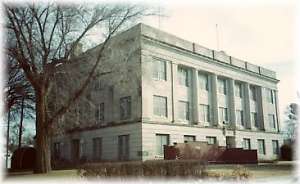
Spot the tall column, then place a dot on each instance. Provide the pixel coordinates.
(214, 91)
(195, 93)
(247, 106)
(262, 105)
(173, 88)
(231, 104)
(277, 110)
(195, 98)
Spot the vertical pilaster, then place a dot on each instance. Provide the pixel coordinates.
(261, 104)
(247, 106)
(231, 104)
(195, 98)
(173, 88)
(277, 111)
(214, 90)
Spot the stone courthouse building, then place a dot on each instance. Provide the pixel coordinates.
(158, 90)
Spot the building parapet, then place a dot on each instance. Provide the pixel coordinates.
(219, 56)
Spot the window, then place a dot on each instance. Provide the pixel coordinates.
(211, 140)
(270, 96)
(203, 81)
(261, 146)
(183, 78)
(275, 146)
(125, 107)
(222, 88)
(246, 144)
(184, 113)
(98, 84)
(123, 147)
(160, 106)
(223, 114)
(99, 115)
(159, 70)
(189, 138)
(97, 148)
(161, 140)
(253, 93)
(238, 90)
(240, 117)
(57, 150)
(254, 119)
(204, 113)
(272, 123)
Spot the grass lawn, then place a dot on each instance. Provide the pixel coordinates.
(260, 171)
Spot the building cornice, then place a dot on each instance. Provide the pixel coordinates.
(214, 60)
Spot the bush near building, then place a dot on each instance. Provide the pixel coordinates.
(153, 168)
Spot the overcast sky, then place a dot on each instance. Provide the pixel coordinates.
(260, 33)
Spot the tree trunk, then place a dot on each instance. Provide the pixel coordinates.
(42, 144)
(21, 123)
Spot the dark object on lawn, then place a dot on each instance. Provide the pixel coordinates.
(23, 159)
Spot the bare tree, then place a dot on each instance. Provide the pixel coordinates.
(41, 37)
(19, 98)
(291, 122)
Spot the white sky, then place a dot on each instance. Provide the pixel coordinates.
(260, 33)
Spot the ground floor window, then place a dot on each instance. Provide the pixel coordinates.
(261, 146)
(275, 147)
(161, 140)
(211, 140)
(75, 149)
(123, 147)
(189, 138)
(246, 144)
(57, 150)
(97, 148)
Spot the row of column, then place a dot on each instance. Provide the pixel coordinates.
(214, 118)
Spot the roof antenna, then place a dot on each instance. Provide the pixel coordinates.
(217, 37)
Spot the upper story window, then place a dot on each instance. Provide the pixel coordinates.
(253, 93)
(270, 94)
(203, 81)
(254, 119)
(183, 76)
(159, 70)
(98, 84)
(240, 117)
(272, 122)
(238, 90)
(222, 87)
(223, 114)
(184, 113)
(204, 113)
(160, 106)
(125, 107)
(99, 114)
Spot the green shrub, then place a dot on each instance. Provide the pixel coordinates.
(154, 168)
